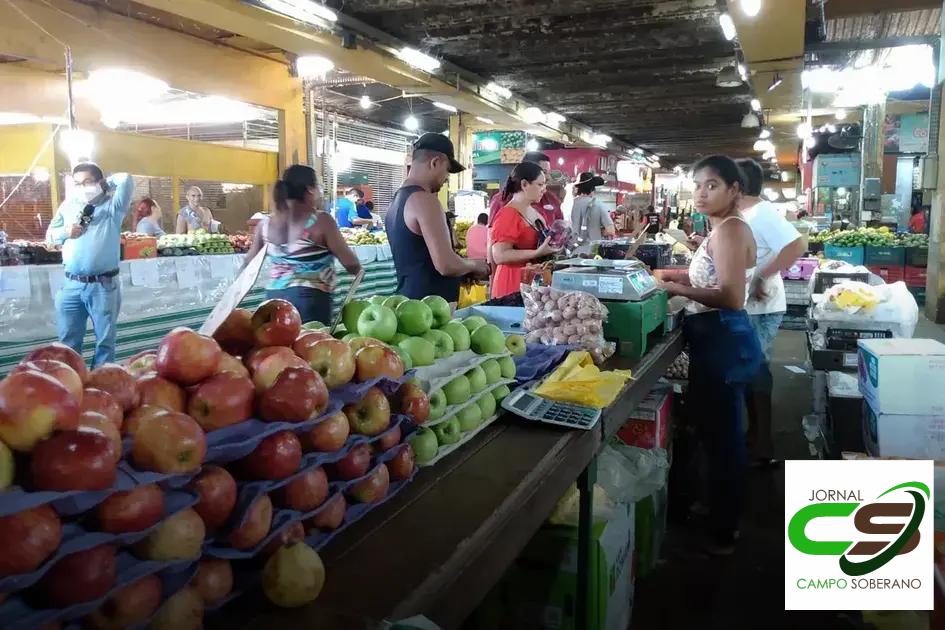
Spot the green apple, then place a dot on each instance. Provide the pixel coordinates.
(448, 432)
(477, 379)
(457, 391)
(440, 308)
(441, 341)
(398, 337)
(507, 366)
(458, 332)
(313, 325)
(413, 317)
(473, 322)
(404, 356)
(487, 406)
(437, 405)
(6, 466)
(421, 351)
(377, 299)
(393, 301)
(378, 322)
(492, 370)
(515, 345)
(351, 312)
(500, 392)
(469, 417)
(424, 444)
(487, 339)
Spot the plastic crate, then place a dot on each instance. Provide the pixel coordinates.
(889, 274)
(916, 276)
(826, 279)
(802, 269)
(886, 256)
(852, 255)
(917, 256)
(655, 255)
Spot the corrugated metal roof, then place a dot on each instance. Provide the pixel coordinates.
(886, 24)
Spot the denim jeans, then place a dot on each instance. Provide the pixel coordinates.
(312, 304)
(766, 327)
(724, 358)
(76, 302)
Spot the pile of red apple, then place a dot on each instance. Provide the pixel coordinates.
(62, 428)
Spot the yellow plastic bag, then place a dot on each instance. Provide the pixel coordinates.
(579, 381)
(470, 294)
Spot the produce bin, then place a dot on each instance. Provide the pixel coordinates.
(852, 255)
(917, 256)
(886, 256)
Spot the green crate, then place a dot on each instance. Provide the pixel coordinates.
(852, 255)
(917, 256)
(888, 256)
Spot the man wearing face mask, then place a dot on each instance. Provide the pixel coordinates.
(88, 226)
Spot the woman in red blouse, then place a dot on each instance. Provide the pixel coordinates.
(518, 231)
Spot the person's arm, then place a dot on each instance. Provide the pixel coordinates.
(258, 243)
(181, 223)
(730, 245)
(122, 187)
(504, 253)
(336, 243)
(433, 229)
(58, 231)
(607, 223)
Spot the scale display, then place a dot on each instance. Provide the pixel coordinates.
(626, 280)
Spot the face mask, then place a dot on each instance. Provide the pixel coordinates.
(86, 194)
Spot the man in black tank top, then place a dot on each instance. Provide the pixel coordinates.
(416, 226)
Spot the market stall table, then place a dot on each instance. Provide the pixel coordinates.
(451, 534)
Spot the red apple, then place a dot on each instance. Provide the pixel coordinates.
(388, 440)
(141, 363)
(277, 456)
(169, 443)
(305, 492)
(66, 376)
(229, 363)
(118, 382)
(332, 515)
(222, 400)
(376, 361)
(217, 491)
(329, 435)
(102, 402)
(276, 323)
(355, 464)
(31, 536)
(184, 610)
(292, 533)
(129, 606)
(257, 356)
(401, 465)
(213, 580)
(160, 392)
(98, 422)
(60, 352)
(332, 359)
(308, 338)
(140, 415)
(178, 537)
(298, 394)
(235, 334)
(32, 405)
(81, 576)
(81, 459)
(186, 357)
(414, 402)
(131, 511)
(371, 414)
(373, 488)
(272, 366)
(256, 525)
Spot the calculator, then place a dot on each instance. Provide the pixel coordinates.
(526, 404)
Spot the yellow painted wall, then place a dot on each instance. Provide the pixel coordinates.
(19, 145)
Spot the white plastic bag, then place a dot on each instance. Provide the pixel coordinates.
(629, 474)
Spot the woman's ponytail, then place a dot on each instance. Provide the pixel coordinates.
(508, 189)
(280, 195)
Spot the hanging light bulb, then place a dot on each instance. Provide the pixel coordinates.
(411, 123)
(365, 102)
(751, 8)
(756, 104)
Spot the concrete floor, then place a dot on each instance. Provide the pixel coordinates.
(691, 590)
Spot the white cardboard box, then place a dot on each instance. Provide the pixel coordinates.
(903, 376)
(914, 436)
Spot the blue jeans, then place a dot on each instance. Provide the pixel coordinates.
(312, 304)
(76, 302)
(766, 327)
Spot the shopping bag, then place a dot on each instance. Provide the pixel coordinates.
(577, 380)
(470, 294)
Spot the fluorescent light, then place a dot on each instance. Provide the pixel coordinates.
(775, 82)
(533, 115)
(743, 71)
(531, 145)
(411, 123)
(417, 59)
(728, 26)
(489, 144)
(313, 66)
(765, 134)
(751, 8)
(498, 90)
(756, 104)
(841, 114)
(302, 10)
(483, 119)
(445, 106)
(365, 101)
(109, 83)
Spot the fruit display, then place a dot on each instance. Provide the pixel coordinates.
(199, 242)
(460, 228)
(874, 237)
(554, 317)
(361, 236)
(912, 240)
(241, 242)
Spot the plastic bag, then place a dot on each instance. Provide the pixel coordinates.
(858, 305)
(566, 510)
(574, 318)
(577, 380)
(628, 474)
(470, 294)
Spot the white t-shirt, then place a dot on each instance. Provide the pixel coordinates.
(772, 234)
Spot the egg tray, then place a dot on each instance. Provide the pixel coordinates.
(443, 451)
(432, 377)
(452, 410)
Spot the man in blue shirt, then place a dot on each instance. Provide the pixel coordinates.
(348, 210)
(88, 226)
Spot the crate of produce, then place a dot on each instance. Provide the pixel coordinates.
(802, 269)
(138, 247)
(889, 274)
(917, 256)
(916, 276)
(852, 255)
(888, 256)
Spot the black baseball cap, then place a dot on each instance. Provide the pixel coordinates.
(441, 144)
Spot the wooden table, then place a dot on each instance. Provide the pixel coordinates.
(440, 546)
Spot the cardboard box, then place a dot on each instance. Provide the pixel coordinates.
(913, 436)
(648, 424)
(136, 248)
(902, 376)
(539, 590)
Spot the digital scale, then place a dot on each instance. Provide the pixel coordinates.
(524, 403)
(636, 305)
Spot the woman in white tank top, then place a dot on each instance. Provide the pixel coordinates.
(723, 349)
